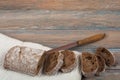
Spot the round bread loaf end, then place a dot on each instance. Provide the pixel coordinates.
(23, 59)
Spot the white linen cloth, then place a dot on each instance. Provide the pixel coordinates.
(7, 42)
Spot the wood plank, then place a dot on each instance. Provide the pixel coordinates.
(106, 76)
(61, 4)
(55, 38)
(18, 4)
(60, 20)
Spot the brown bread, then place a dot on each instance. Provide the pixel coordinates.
(69, 61)
(53, 63)
(101, 63)
(107, 55)
(89, 64)
(23, 59)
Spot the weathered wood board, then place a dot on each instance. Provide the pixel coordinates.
(61, 4)
(57, 22)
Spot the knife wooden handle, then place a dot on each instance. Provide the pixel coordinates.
(91, 39)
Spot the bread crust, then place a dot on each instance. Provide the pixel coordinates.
(23, 59)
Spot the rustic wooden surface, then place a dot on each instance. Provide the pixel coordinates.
(57, 22)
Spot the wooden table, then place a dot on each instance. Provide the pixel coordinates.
(57, 22)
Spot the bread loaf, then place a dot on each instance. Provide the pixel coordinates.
(89, 64)
(107, 55)
(23, 59)
(53, 63)
(69, 61)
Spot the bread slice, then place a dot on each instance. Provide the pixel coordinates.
(53, 63)
(107, 55)
(69, 61)
(89, 64)
(101, 63)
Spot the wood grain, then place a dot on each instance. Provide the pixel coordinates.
(55, 38)
(60, 20)
(61, 4)
(106, 76)
(57, 22)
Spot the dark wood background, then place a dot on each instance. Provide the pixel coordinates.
(57, 22)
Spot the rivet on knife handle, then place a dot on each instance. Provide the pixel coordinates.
(91, 39)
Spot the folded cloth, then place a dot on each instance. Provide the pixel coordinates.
(6, 43)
